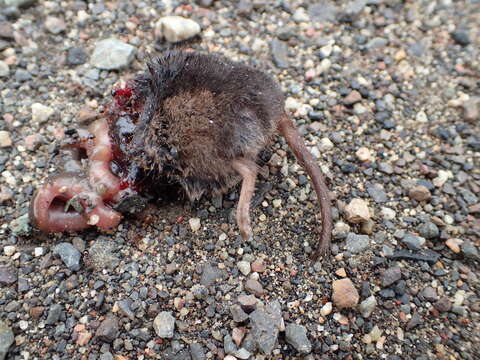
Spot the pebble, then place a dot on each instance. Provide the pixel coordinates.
(429, 230)
(413, 242)
(41, 113)
(356, 244)
(296, 335)
(471, 107)
(377, 193)
(164, 325)
(108, 330)
(55, 25)
(258, 266)
(326, 309)
(443, 304)
(364, 154)
(54, 314)
(69, 255)
(357, 211)
(279, 50)
(344, 294)
(5, 139)
(388, 213)
(429, 294)
(352, 98)
(197, 352)
(238, 314)
(325, 144)
(254, 287)
(176, 28)
(421, 117)
(461, 37)
(4, 69)
(367, 306)
(22, 75)
(210, 274)
(9, 250)
(419, 193)
(244, 267)
(6, 339)
(470, 250)
(194, 224)
(454, 244)
(112, 54)
(414, 321)
(76, 56)
(391, 275)
(266, 324)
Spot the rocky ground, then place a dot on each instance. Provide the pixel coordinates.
(386, 94)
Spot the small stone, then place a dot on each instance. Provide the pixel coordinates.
(76, 56)
(41, 113)
(326, 309)
(414, 321)
(344, 294)
(367, 306)
(109, 329)
(124, 308)
(429, 294)
(54, 314)
(357, 211)
(258, 266)
(4, 69)
(6, 194)
(69, 255)
(413, 242)
(5, 139)
(341, 272)
(112, 54)
(461, 37)
(55, 25)
(419, 193)
(296, 335)
(83, 338)
(352, 98)
(377, 42)
(471, 107)
(22, 75)
(7, 275)
(387, 213)
(164, 325)
(442, 178)
(254, 287)
(391, 275)
(454, 245)
(194, 224)
(266, 323)
(429, 230)
(356, 244)
(244, 267)
(197, 352)
(210, 274)
(421, 117)
(279, 50)
(470, 251)
(6, 339)
(9, 250)
(247, 302)
(325, 144)
(364, 154)
(238, 314)
(176, 28)
(443, 304)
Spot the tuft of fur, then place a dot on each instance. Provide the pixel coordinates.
(200, 112)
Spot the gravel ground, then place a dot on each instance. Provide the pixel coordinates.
(386, 94)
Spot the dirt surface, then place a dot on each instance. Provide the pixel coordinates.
(386, 95)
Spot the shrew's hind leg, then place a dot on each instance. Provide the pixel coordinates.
(248, 171)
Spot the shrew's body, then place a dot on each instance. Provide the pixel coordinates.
(203, 122)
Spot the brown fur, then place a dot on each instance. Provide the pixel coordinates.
(205, 120)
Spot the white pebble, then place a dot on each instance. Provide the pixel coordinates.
(194, 224)
(326, 309)
(39, 251)
(9, 250)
